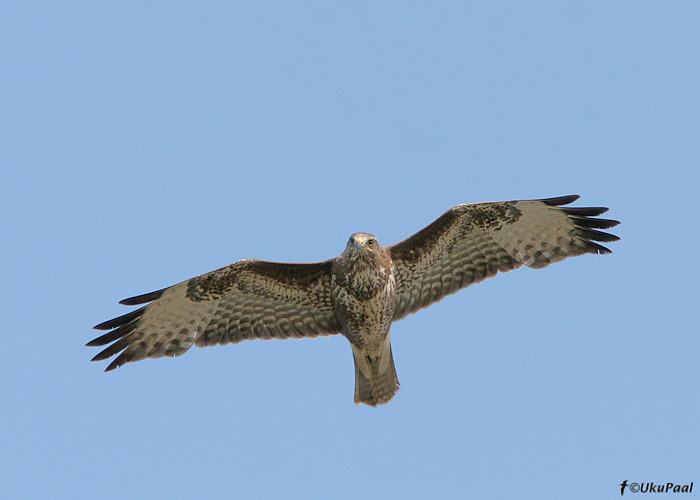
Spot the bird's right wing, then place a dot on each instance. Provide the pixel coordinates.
(250, 299)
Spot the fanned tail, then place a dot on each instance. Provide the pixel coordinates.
(376, 381)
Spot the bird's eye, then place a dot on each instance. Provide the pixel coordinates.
(372, 242)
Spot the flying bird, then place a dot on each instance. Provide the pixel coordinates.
(358, 294)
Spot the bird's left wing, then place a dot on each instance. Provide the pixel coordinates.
(474, 241)
(250, 299)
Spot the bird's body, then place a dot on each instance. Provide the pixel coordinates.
(364, 295)
(359, 293)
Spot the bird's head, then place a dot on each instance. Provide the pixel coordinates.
(362, 245)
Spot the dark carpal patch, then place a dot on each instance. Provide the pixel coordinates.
(490, 216)
(211, 286)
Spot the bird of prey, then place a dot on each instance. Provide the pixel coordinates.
(358, 294)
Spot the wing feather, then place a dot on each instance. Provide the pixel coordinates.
(115, 334)
(250, 299)
(472, 242)
(142, 299)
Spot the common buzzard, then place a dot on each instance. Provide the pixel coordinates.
(358, 294)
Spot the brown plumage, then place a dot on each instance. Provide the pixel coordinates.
(359, 293)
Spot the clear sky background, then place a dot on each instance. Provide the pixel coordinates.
(143, 143)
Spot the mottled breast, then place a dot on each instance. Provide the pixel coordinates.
(364, 294)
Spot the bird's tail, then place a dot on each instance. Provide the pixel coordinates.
(376, 381)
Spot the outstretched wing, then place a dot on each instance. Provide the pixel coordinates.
(250, 299)
(472, 242)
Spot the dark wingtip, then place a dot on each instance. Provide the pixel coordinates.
(99, 357)
(120, 320)
(560, 200)
(122, 328)
(112, 366)
(596, 248)
(112, 336)
(587, 227)
(593, 223)
(142, 299)
(593, 235)
(585, 211)
(121, 335)
(120, 360)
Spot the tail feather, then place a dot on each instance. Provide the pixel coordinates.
(376, 381)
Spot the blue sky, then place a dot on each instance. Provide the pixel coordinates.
(143, 143)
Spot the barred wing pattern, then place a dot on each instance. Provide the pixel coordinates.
(475, 241)
(250, 299)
